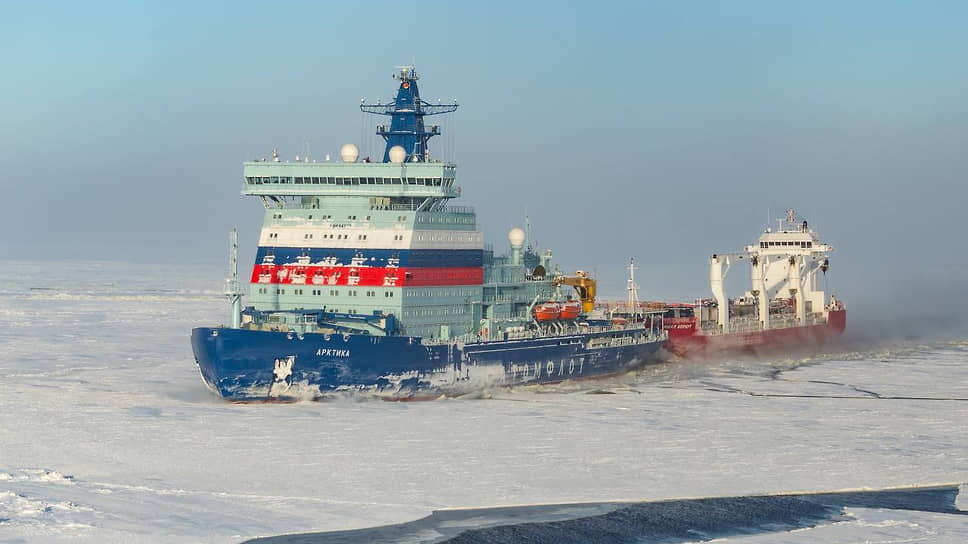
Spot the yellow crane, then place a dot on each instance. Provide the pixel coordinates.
(585, 287)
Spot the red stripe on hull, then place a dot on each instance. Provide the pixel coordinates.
(365, 276)
(685, 342)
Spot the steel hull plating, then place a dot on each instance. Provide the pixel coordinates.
(687, 343)
(248, 365)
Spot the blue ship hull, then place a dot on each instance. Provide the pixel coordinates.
(250, 365)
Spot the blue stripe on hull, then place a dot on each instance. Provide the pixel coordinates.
(243, 364)
(416, 258)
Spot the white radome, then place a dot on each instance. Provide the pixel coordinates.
(516, 237)
(349, 153)
(398, 154)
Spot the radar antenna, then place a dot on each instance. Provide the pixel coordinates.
(406, 112)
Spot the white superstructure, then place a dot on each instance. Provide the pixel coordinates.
(784, 267)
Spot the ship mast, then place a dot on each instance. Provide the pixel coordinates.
(406, 113)
(633, 289)
(232, 289)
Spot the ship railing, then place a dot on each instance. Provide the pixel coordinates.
(474, 338)
(467, 338)
(446, 209)
(753, 325)
(458, 209)
(499, 300)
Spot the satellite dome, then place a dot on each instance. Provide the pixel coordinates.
(516, 237)
(349, 153)
(398, 154)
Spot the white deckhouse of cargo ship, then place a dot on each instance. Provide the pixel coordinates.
(785, 304)
(366, 278)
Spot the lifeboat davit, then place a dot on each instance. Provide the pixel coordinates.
(547, 311)
(570, 309)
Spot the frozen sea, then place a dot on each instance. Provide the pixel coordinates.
(107, 433)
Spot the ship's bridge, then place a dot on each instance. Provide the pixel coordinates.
(792, 237)
(415, 179)
(786, 241)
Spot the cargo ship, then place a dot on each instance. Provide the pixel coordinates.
(367, 279)
(785, 308)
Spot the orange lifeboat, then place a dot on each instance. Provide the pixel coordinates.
(547, 311)
(570, 309)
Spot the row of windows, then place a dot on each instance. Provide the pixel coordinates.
(443, 237)
(275, 235)
(444, 219)
(323, 217)
(319, 292)
(398, 237)
(450, 310)
(433, 182)
(455, 292)
(800, 244)
(400, 218)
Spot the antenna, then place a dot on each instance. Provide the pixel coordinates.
(527, 229)
(407, 111)
(633, 289)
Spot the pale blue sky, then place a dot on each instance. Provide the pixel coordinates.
(660, 130)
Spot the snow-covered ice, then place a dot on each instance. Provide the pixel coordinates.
(108, 434)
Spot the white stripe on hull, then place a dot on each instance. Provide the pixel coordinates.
(363, 237)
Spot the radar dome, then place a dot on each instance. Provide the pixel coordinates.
(349, 153)
(398, 154)
(516, 237)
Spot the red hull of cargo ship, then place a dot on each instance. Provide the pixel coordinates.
(685, 341)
